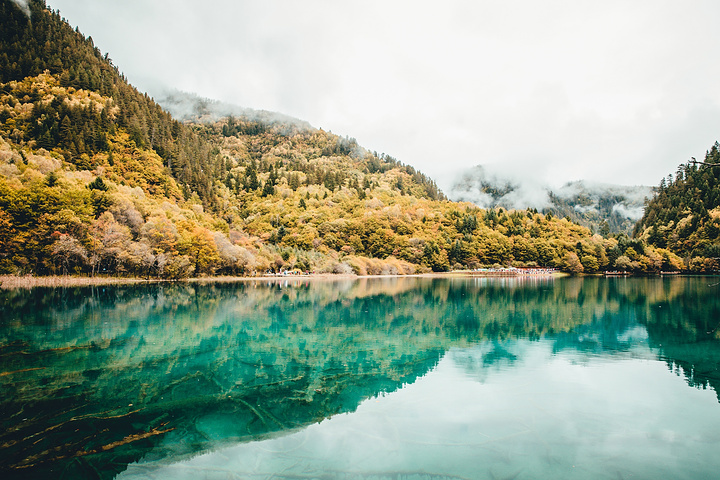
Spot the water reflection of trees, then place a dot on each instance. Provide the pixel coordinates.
(99, 377)
(679, 318)
(683, 326)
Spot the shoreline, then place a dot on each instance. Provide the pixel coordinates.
(9, 282)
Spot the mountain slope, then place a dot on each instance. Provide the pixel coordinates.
(43, 42)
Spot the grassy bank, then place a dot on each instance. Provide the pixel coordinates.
(29, 281)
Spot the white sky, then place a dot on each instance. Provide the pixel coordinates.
(609, 91)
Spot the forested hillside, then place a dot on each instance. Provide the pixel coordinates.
(96, 178)
(47, 43)
(684, 217)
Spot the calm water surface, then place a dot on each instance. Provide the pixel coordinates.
(400, 378)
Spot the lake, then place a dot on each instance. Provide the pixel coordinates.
(382, 378)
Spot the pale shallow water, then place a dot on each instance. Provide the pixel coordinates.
(367, 379)
(545, 415)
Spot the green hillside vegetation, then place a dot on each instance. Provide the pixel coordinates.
(95, 178)
(47, 43)
(684, 217)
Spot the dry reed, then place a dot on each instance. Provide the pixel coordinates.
(29, 281)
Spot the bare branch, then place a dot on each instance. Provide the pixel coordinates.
(703, 164)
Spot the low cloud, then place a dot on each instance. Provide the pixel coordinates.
(487, 187)
(24, 6)
(633, 213)
(630, 200)
(585, 209)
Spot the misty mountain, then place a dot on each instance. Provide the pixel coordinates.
(587, 203)
(189, 107)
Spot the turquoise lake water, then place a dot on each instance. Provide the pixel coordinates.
(395, 378)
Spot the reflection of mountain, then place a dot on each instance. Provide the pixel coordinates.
(127, 373)
(94, 379)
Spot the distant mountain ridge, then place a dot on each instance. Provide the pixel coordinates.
(189, 107)
(604, 208)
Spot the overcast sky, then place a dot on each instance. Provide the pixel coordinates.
(613, 91)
